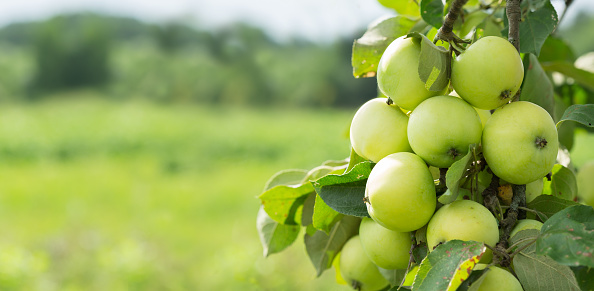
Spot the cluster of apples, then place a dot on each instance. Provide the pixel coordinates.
(416, 130)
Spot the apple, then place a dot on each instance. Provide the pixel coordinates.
(357, 269)
(441, 128)
(397, 75)
(386, 248)
(482, 113)
(585, 183)
(520, 142)
(524, 224)
(488, 73)
(463, 220)
(496, 279)
(534, 189)
(379, 129)
(400, 193)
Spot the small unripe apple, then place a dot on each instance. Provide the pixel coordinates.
(585, 182)
(497, 279)
(386, 248)
(524, 224)
(400, 193)
(463, 220)
(397, 75)
(520, 142)
(379, 129)
(357, 269)
(441, 128)
(534, 189)
(488, 73)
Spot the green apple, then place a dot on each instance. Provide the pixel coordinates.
(400, 192)
(520, 142)
(488, 73)
(524, 224)
(463, 220)
(534, 189)
(397, 75)
(585, 182)
(379, 129)
(357, 269)
(386, 248)
(496, 279)
(482, 113)
(441, 128)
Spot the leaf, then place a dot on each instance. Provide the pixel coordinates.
(354, 159)
(432, 12)
(584, 277)
(456, 174)
(555, 49)
(474, 281)
(581, 113)
(537, 88)
(568, 237)
(568, 69)
(308, 209)
(448, 265)
(433, 69)
(345, 193)
(286, 177)
(368, 49)
(537, 272)
(393, 276)
(324, 217)
(405, 7)
(322, 248)
(535, 27)
(284, 203)
(563, 183)
(274, 236)
(565, 130)
(523, 238)
(420, 252)
(549, 205)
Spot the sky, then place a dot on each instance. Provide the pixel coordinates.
(316, 20)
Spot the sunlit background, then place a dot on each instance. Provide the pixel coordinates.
(135, 135)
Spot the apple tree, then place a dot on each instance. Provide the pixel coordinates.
(459, 175)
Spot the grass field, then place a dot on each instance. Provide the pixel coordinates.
(136, 196)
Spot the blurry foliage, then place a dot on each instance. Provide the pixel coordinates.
(173, 62)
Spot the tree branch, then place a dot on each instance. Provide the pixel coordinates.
(514, 14)
(445, 32)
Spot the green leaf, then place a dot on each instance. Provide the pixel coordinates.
(322, 247)
(404, 7)
(556, 49)
(432, 12)
(549, 205)
(286, 177)
(584, 277)
(274, 236)
(456, 175)
(523, 238)
(368, 49)
(537, 87)
(308, 209)
(538, 272)
(581, 113)
(568, 69)
(324, 217)
(354, 159)
(420, 252)
(393, 276)
(345, 193)
(473, 282)
(433, 69)
(568, 237)
(567, 129)
(443, 267)
(284, 203)
(535, 27)
(563, 183)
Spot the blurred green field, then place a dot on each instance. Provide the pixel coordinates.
(97, 195)
(134, 196)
